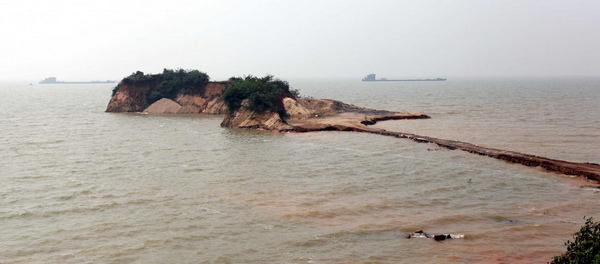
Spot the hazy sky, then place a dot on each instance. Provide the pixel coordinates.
(99, 40)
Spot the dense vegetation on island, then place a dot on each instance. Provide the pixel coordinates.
(168, 83)
(586, 246)
(263, 94)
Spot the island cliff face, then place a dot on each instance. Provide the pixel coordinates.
(132, 98)
(302, 115)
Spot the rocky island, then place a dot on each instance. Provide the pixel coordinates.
(268, 104)
(251, 103)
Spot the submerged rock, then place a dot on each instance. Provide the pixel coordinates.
(437, 237)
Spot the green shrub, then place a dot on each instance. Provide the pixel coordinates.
(168, 83)
(114, 90)
(586, 246)
(139, 77)
(263, 94)
(194, 82)
(165, 89)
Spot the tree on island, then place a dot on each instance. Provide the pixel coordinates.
(263, 94)
(167, 84)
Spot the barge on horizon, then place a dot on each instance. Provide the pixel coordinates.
(52, 80)
(371, 78)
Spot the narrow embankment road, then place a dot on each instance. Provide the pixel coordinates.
(586, 170)
(358, 122)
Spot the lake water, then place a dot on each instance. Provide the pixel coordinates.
(84, 186)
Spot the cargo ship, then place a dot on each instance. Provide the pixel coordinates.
(52, 80)
(371, 78)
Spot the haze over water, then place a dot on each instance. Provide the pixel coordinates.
(84, 186)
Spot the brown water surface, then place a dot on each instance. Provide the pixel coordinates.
(84, 186)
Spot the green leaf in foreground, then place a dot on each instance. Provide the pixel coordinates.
(586, 246)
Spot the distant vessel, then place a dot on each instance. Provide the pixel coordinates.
(371, 78)
(52, 80)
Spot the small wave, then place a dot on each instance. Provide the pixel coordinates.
(313, 213)
(446, 189)
(139, 201)
(457, 218)
(191, 238)
(193, 170)
(76, 210)
(314, 242)
(66, 197)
